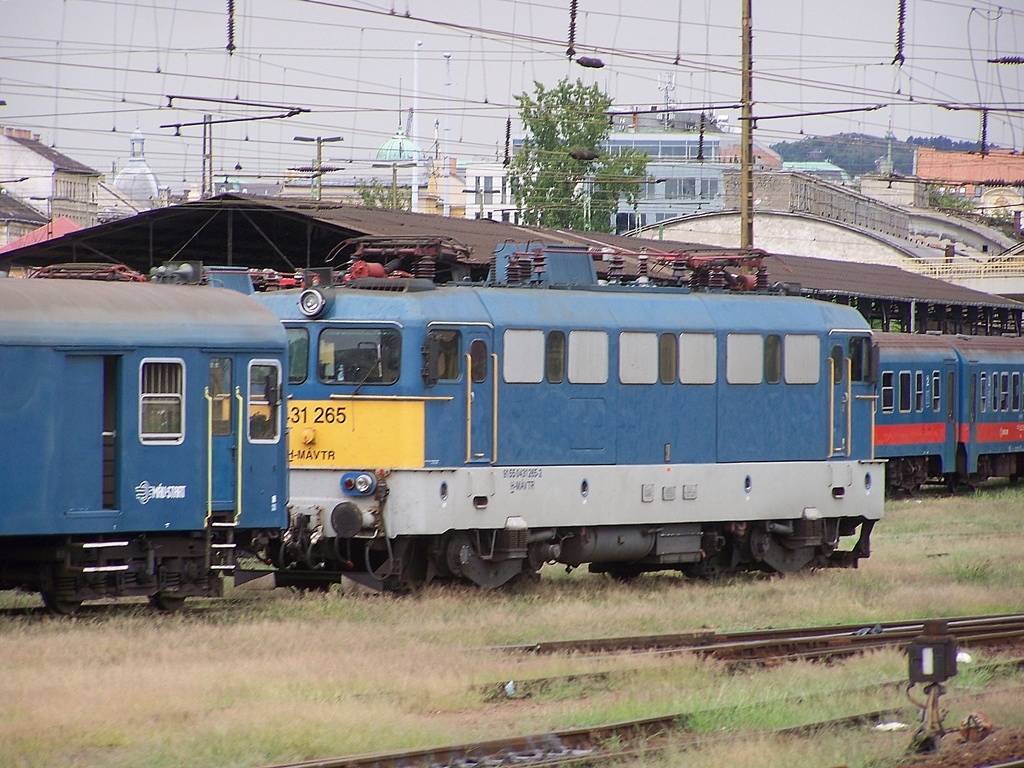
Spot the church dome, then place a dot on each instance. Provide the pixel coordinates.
(136, 181)
(398, 147)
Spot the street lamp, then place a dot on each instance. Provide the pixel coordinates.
(318, 170)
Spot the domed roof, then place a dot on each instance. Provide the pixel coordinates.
(136, 180)
(398, 147)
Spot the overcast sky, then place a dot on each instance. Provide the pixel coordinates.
(84, 73)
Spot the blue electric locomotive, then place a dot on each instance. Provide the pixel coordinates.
(950, 409)
(479, 431)
(142, 439)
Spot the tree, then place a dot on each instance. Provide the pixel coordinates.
(562, 176)
(378, 195)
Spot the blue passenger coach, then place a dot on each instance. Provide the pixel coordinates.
(478, 432)
(141, 438)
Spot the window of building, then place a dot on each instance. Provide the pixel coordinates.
(698, 358)
(161, 401)
(220, 396)
(802, 358)
(744, 358)
(906, 395)
(298, 355)
(264, 401)
(588, 357)
(554, 357)
(888, 392)
(523, 361)
(359, 356)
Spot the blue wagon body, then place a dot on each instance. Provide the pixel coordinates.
(142, 437)
(480, 431)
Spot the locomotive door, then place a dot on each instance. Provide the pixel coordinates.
(481, 395)
(840, 398)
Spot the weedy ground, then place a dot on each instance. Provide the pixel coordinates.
(267, 677)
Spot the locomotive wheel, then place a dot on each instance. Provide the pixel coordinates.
(167, 603)
(58, 605)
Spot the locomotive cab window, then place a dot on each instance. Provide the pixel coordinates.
(220, 396)
(859, 347)
(298, 355)
(478, 361)
(161, 401)
(359, 356)
(837, 364)
(447, 345)
(264, 401)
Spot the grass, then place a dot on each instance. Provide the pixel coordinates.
(262, 678)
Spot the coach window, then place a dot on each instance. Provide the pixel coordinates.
(973, 394)
(802, 358)
(220, 396)
(773, 358)
(919, 391)
(298, 355)
(638, 358)
(888, 392)
(983, 393)
(359, 356)
(905, 393)
(588, 357)
(554, 357)
(744, 358)
(1015, 389)
(478, 360)
(667, 362)
(161, 401)
(698, 358)
(936, 391)
(523, 359)
(264, 401)
(1004, 391)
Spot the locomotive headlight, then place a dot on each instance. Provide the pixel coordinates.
(358, 483)
(312, 302)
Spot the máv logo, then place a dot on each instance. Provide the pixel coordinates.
(144, 492)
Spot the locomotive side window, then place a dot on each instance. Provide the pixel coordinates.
(802, 358)
(359, 356)
(837, 364)
(161, 401)
(773, 358)
(264, 401)
(888, 392)
(905, 393)
(478, 360)
(523, 362)
(698, 358)
(220, 395)
(936, 391)
(1016, 390)
(919, 391)
(744, 358)
(858, 346)
(554, 357)
(588, 357)
(298, 355)
(984, 393)
(638, 358)
(667, 362)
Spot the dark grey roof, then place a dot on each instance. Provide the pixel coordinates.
(59, 160)
(12, 209)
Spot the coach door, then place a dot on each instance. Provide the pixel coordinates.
(481, 395)
(223, 408)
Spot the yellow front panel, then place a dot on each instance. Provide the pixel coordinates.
(355, 433)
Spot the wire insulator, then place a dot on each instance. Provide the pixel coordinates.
(700, 140)
(984, 132)
(901, 21)
(231, 28)
(571, 50)
(508, 141)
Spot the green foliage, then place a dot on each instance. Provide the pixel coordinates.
(377, 195)
(949, 201)
(856, 153)
(555, 189)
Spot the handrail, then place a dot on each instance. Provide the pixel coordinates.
(238, 458)
(209, 457)
(469, 409)
(494, 411)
